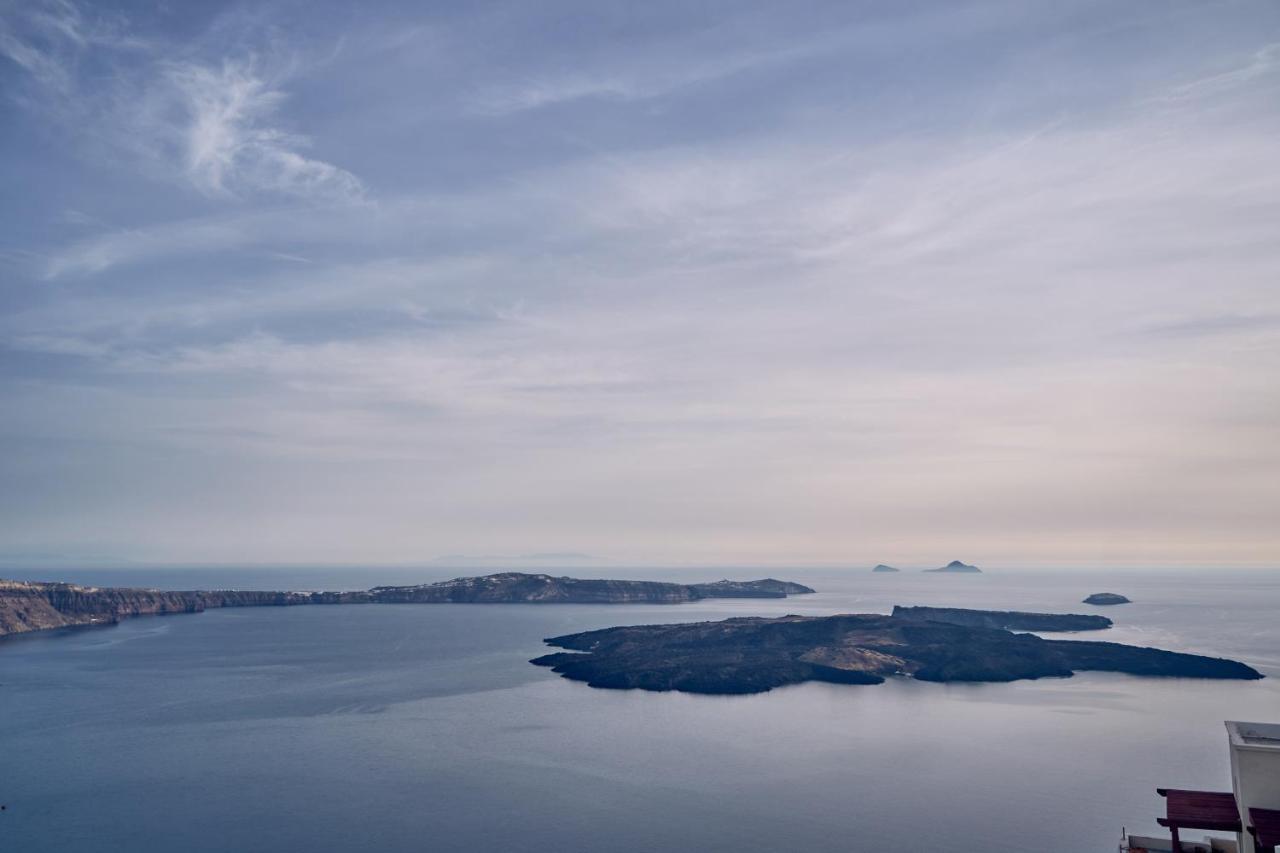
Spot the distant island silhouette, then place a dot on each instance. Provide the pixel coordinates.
(958, 567)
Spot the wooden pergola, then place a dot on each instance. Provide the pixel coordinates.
(1210, 810)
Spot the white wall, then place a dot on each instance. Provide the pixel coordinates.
(1255, 770)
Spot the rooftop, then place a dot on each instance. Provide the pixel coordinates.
(1254, 735)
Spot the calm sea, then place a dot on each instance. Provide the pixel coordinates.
(416, 728)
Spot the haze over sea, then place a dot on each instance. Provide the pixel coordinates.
(416, 727)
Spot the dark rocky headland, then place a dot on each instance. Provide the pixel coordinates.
(29, 606)
(1011, 620)
(752, 655)
(1106, 598)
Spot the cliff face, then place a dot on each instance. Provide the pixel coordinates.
(211, 599)
(78, 601)
(25, 607)
(1010, 619)
(754, 655)
(40, 606)
(37, 607)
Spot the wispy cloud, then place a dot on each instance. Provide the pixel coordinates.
(637, 84)
(685, 64)
(47, 38)
(316, 223)
(231, 142)
(1214, 325)
(104, 251)
(719, 48)
(214, 125)
(1264, 62)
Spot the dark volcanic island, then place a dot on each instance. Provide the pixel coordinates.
(28, 606)
(752, 655)
(1104, 598)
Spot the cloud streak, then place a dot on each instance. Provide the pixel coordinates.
(1263, 63)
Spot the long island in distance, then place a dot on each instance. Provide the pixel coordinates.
(34, 606)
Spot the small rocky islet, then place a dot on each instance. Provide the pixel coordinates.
(957, 567)
(1106, 598)
(753, 655)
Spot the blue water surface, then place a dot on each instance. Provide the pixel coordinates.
(423, 727)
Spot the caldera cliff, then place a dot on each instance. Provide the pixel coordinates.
(31, 606)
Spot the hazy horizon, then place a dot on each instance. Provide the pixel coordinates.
(487, 565)
(717, 285)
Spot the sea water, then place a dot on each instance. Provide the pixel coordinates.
(423, 727)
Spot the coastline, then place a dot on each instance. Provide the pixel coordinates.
(32, 606)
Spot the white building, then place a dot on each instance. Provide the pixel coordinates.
(1255, 781)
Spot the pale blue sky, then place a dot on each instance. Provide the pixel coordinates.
(677, 283)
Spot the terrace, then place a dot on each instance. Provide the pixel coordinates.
(1250, 810)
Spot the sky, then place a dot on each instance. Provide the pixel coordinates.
(665, 283)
